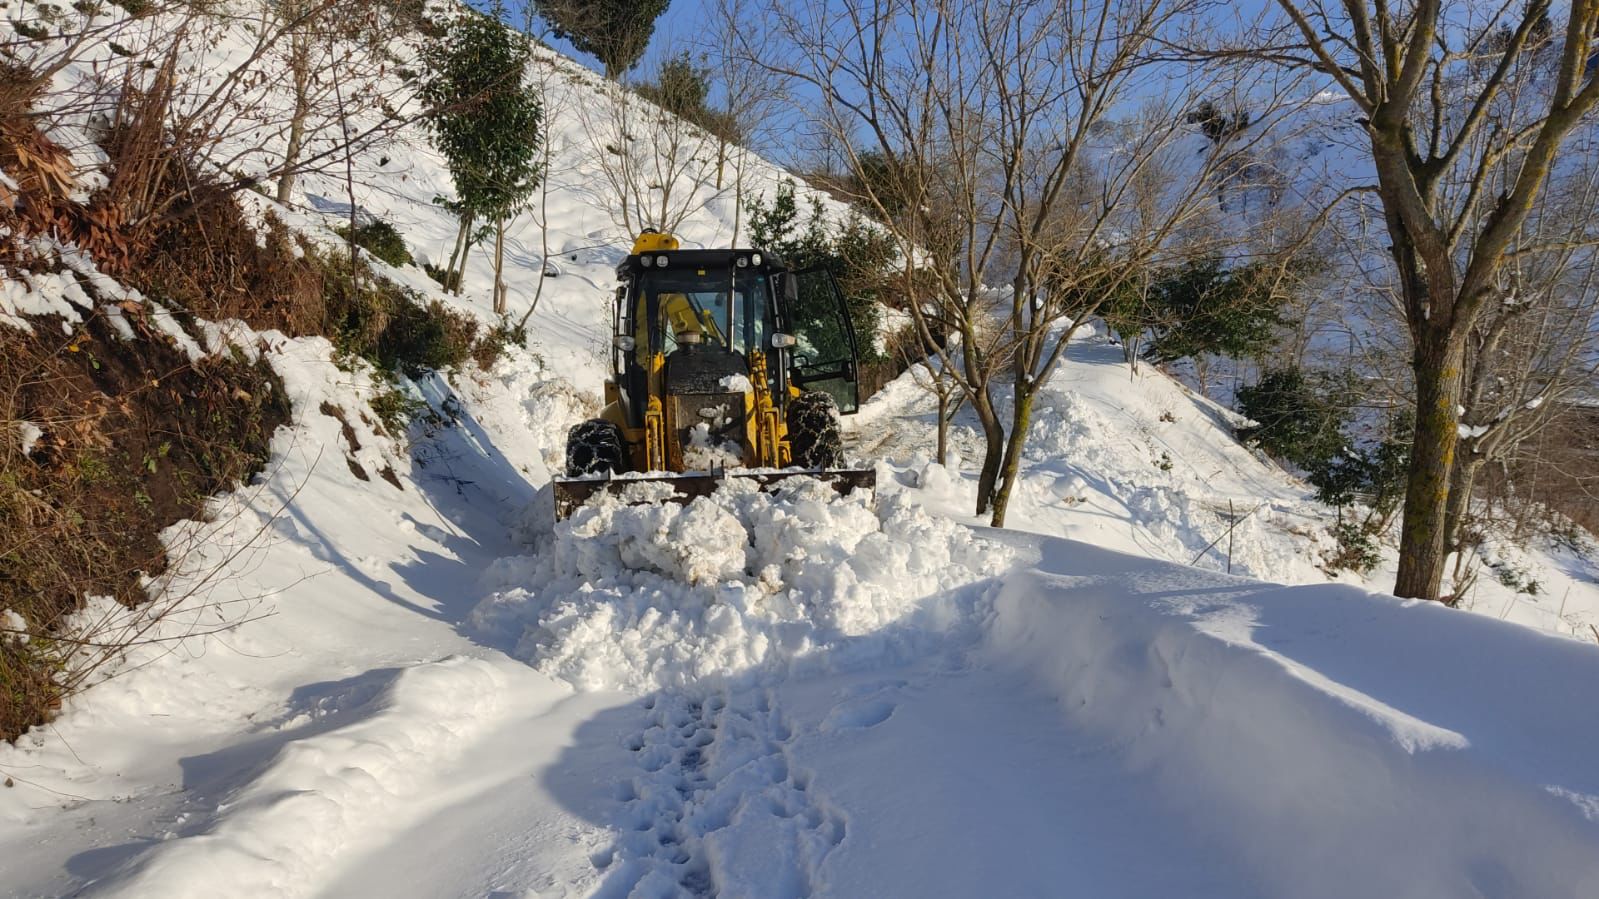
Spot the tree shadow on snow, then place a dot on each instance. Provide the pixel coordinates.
(475, 492)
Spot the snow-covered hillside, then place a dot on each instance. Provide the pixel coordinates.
(427, 689)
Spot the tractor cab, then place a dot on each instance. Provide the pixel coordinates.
(721, 307)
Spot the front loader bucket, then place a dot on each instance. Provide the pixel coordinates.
(571, 493)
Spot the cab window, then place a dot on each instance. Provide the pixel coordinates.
(718, 308)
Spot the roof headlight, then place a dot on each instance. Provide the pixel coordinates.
(743, 262)
(755, 259)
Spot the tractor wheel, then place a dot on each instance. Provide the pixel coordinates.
(813, 431)
(594, 447)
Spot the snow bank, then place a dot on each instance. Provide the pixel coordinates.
(659, 594)
(321, 793)
(1129, 460)
(1335, 742)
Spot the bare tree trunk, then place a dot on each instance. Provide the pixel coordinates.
(544, 235)
(455, 271)
(721, 160)
(1461, 488)
(738, 196)
(499, 266)
(1011, 464)
(1422, 549)
(994, 450)
(299, 66)
(349, 180)
(943, 425)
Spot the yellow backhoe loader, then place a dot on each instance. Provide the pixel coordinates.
(725, 363)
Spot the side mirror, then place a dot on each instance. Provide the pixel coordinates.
(783, 341)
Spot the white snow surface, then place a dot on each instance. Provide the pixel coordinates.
(13, 627)
(431, 690)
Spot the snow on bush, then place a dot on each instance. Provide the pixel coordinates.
(13, 627)
(637, 593)
(29, 433)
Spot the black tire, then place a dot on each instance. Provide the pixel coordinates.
(595, 447)
(813, 431)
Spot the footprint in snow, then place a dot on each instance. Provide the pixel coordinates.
(858, 714)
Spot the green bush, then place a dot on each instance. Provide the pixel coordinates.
(1216, 125)
(491, 346)
(447, 280)
(1375, 472)
(1357, 547)
(860, 256)
(1516, 578)
(379, 238)
(1202, 308)
(613, 31)
(422, 338)
(1299, 417)
(395, 409)
(681, 87)
(390, 326)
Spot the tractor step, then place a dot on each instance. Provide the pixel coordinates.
(572, 493)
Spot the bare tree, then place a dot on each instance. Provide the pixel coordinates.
(1535, 348)
(1026, 156)
(751, 97)
(311, 54)
(1466, 107)
(659, 168)
(162, 126)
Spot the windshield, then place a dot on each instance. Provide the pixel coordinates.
(715, 307)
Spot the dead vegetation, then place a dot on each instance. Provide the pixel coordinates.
(132, 437)
(107, 440)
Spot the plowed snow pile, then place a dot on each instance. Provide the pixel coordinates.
(635, 594)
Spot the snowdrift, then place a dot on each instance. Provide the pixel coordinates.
(657, 594)
(1337, 742)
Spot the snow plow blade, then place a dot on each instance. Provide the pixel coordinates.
(572, 493)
